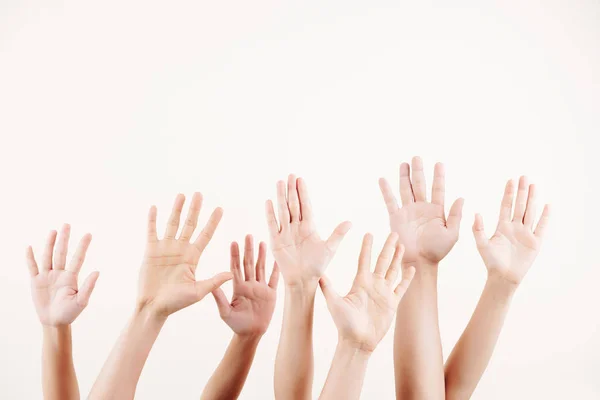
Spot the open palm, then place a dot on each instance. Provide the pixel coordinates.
(168, 274)
(511, 251)
(253, 302)
(422, 226)
(57, 298)
(299, 251)
(365, 314)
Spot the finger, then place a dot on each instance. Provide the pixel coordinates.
(333, 242)
(192, 218)
(388, 196)
(418, 180)
(47, 257)
(406, 190)
(222, 302)
(479, 232)
(84, 293)
(210, 285)
(364, 259)
(271, 220)
(455, 215)
(173, 224)
(209, 230)
(79, 256)
(293, 200)
(152, 235)
(385, 257)
(540, 229)
(507, 201)
(260, 263)
(330, 294)
(249, 258)
(392, 273)
(438, 190)
(529, 217)
(521, 202)
(60, 253)
(274, 279)
(305, 206)
(234, 263)
(407, 276)
(31, 264)
(282, 205)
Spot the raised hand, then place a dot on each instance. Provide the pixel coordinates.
(510, 252)
(253, 302)
(168, 274)
(298, 250)
(56, 296)
(365, 314)
(422, 226)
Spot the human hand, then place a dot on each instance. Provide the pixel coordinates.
(168, 274)
(365, 314)
(300, 253)
(510, 252)
(422, 226)
(56, 296)
(253, 302)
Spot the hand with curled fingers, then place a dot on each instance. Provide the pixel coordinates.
(168, 274)
(57, 298)
(365, 314)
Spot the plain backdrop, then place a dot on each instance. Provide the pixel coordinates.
(109, 107)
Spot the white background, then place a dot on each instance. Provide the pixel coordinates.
(108, 107)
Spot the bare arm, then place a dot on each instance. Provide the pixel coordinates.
(302, 256)
(508, 255)
(58, 301)
(428, 237)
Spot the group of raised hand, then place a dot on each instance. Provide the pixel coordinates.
(421, 236)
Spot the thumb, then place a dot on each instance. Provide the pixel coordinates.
(338, 235)
(455, 215)
(479, 232)
(328, 291)
(222, 302)
(209, 285)
(84, 293)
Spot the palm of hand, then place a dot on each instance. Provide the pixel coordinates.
(167, 276)
(251, 309)
(366, 313)
(55, 297)
(422, 230)
(511, 251)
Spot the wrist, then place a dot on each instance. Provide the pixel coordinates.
(251, 339)
(500, 287)
(146, 314)
(302, 286)
(354, 349)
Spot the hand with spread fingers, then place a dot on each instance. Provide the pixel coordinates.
(297, 247)
(168, 274)
(364, 315)
(57, 298)
(510, 252)
(248, 315)
(424, 230)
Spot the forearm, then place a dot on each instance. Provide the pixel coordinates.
(347, 373)
(119, 376)
(294, 360)
(58, 372)
(473, 351)
(418, 359)
(228, 379)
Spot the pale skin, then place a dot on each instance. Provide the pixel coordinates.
(248, 315)
(428, 235)
(507, 255)
(167, 284)
(58, 302)
(363, 316)
(302, 257)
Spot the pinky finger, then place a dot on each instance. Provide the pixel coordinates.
(83, 296)
(407, 277)
(540, 229)
(31, 264)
